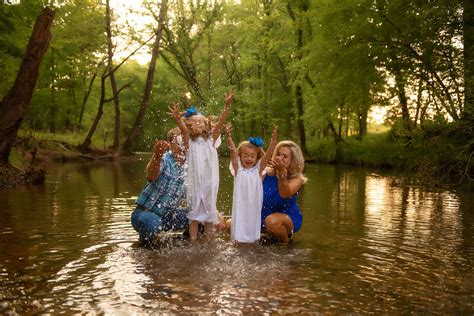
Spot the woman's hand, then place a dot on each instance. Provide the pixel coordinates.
(279, 168)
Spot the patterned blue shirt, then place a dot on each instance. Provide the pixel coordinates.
(167, 192)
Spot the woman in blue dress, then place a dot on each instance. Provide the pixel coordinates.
(281, 216)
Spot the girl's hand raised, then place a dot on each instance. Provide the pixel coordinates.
(228, 129)
(228, 98)
(274, 133)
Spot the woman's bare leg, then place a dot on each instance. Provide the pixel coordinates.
(279, 225)
(228, 225)
(220, 226)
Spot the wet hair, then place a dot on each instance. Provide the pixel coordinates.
(297, 160)
(248, 144)
(207, 127)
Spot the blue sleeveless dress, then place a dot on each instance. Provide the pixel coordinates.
(274, 203)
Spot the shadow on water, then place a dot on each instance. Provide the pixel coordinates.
(370, 242)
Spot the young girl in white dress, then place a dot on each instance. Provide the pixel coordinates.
(202, 172)
(247, 164)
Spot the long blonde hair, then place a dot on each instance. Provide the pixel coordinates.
(297, 160)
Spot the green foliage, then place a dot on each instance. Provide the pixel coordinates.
(346, 55)
(34, 136)
(375, 150)
(16, 22)
(73, 55)
(323, 150)
(16, 160)
(440, 150)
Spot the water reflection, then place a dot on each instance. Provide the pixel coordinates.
(370, 242)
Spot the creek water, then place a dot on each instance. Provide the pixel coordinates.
(371, 242)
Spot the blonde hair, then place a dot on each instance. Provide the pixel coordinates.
(206, 131)
(248, 144)
(297, 160)
(172, 133)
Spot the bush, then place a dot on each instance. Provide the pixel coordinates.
(323, 150)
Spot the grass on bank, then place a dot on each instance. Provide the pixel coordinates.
(71, 138)
(441, 150)
(373, 150)
(445, 153)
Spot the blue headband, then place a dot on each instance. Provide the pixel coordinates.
(257, 141)
(191, 111)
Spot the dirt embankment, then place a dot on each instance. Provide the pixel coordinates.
(35, 155)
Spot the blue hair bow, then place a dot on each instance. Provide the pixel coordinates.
(191, 111)
(257, 141)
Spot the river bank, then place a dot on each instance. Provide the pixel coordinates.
(432, 154)
(30, 159)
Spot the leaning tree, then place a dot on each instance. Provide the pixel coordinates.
(15, 104)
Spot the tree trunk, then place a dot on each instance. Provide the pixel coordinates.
(15, 103)
(113, 82)
(340, 122)
(333, 130)
(87, 92)
(403, 99)
(298, 21)
(137, 126)
(467, 115)
(363, 113)
(88, 140)
(52, 115)
(299, 107)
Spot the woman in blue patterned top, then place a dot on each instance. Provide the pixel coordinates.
(162, 203)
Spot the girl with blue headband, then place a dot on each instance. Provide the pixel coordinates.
(201, 139)
(247, 164)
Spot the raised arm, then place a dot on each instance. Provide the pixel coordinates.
(223, 116)
(234, 156)
(270, 150)
(176, 114)
(153, 166)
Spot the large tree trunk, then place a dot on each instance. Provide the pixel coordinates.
(137, 126)
(16, 102)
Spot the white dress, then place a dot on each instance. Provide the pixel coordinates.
(247, 204)
(202, 179)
